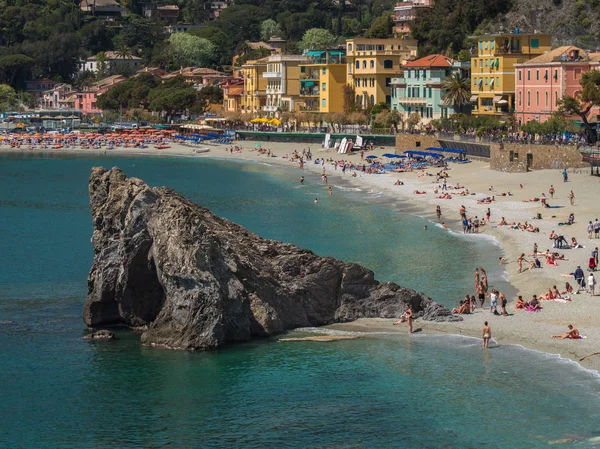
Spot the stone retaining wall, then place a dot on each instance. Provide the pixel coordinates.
(521, 158)
(415, 142)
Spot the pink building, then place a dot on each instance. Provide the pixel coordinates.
(541, 82)
(60, 96)
(405, 12)
(87, 99)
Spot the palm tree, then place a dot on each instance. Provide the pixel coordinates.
(458, 91)
(124, 52)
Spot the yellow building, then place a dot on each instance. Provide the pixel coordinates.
(283, 83)
(322, 80)
(493, 69)
(254, 96)
(372, 63)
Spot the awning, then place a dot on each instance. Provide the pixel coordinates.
(315, 53)
(337, 52)
(473, 98)
(497, 98)
(307, 83)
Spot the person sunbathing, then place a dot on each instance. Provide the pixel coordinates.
(486, 200)
(420, 192)
(532, 228)
(506, 194)
(568, 289)
(574, 244)
(547, 296)
(463, 308)
(532, 200)
(534, 305)
(520, 304)
(551, 260)
(398, 183)
(502, 222)
(444, 196)
(572, 333)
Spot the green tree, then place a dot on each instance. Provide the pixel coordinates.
(173, 97)
(317, 39)
(457, 91)
(212, 94)
(379, 107)
(582, 103)
(196, 11)
(381, 27)
(8, 97)
(11, 65)
(413, 120)
(188, 50)
(101, 65)
(269, 28)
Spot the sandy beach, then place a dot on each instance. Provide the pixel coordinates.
(532, 330)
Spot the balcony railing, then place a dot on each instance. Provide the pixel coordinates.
(271, 91)
(272, 75)
(314, 75)
(270, 108)
(412, 100)
(309, 92)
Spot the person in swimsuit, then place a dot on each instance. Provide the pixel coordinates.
(481, 295)
(520, 261)
(487, 334)
(406, 316)
(572, 333)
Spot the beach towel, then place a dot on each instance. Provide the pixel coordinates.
(554, 207)
(531, 309)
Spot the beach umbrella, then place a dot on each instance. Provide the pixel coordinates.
(275, 122)
(60, 117)
(255, 120)
(389, 155)
(257, 145)
(371, 157)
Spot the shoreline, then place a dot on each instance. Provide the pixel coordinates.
(529, 330)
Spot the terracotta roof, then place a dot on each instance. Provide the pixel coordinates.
(553, 54)
(431, 61)
(260, 44)
(235, 90)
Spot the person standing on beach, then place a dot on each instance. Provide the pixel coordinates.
(503, 302)
(572, 198)
(476, 278)
(444, 185)
(551, 191)
(494, 302)
(520, 261)
(595, 255)
(406, 316)
(592, 284)
(579, 278)
(481, 295)
(484, 279)
(596, 228)
(488, 214)
(463, 212)
(487, 334)
(438, 212)
(590, 229)
(565, 175)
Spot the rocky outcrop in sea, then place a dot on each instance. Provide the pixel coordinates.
(192, 280)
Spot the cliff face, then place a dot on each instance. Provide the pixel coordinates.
(193, 280)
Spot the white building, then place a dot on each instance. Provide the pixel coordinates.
(115, 63)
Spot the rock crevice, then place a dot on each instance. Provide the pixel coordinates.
(194, 280)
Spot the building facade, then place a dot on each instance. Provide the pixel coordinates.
(114, 63)
(542, 82)
(36, 88)
(283, 83)
(493, 69)
(405, 12)
(254, 96)
(232, 95)
(420, 90)
(372, 63)
(322, 80)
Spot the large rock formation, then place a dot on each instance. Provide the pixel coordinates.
(193, 280)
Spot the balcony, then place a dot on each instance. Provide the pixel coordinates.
(309, 92)
(272, 75)
(273, 91)
(270, 108)
(412, 100)
(313, 75)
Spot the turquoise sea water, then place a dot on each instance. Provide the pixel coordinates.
(58, 390)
